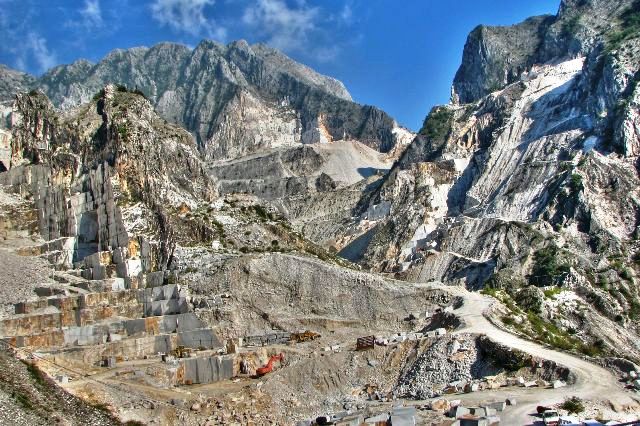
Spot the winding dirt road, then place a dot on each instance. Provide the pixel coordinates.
(592, 382)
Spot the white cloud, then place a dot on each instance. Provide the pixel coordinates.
(346, 15)
(35, 50)
(286, 28)
(91, 14)
(326, 54)
(187, 16)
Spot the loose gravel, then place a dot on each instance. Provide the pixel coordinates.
(19, 276)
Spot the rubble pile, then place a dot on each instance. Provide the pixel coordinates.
(450, 361)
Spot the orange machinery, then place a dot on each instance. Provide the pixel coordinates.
(269, 367)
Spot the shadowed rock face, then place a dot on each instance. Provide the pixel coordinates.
(494, 57)
(236, 99)
(539, 150)
(453, 204)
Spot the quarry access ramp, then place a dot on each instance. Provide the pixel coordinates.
(592, 381)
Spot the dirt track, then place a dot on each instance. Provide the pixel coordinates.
(592, 382)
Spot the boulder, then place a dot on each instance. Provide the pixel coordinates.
(454, 347)
(441, 405)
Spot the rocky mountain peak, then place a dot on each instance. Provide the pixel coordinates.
(227, 96)
(494, 57)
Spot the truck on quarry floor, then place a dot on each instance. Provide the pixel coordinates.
(304, 336)
(550, 417)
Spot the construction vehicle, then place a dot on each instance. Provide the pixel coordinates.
(181, 352)
(305, 336)
(269, 366)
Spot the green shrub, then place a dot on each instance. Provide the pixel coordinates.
(603, 283)
(548, 267)
(123, 131)
(488, 291)
(573, 405)
(626, 274)
(575, 183)
(219, 228)
(634, 310)
(437, 124)
(99, 95)
(551, 293)
(593, 349)
(261, 212)
(507, 320)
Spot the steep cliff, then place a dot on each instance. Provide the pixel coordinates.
(494, 57)
(530, 176)
(104, 179)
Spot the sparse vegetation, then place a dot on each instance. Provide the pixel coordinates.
(573, 405)
(549, 333)
(99, 95)
(634, 306)
(548, 268)
(23, 400)
(36, 374)
(575, 183)
(570, 26)
(508, 320)
(261, 212)
(629, 28)
(437, 124)
(123, 131)
(219, 228)
(551, 293)
(592, 349)
(541, 330)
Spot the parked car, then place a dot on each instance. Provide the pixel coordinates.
(550, 418)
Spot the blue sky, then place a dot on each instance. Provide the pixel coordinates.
(399, 55)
